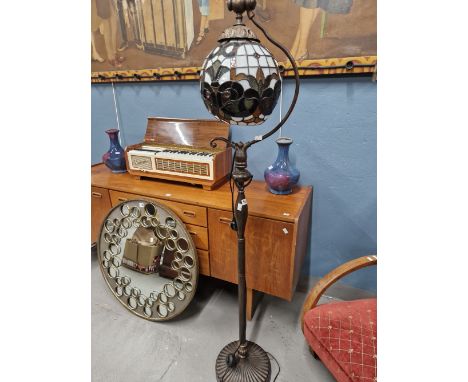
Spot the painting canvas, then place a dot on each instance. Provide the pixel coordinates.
(137, 39)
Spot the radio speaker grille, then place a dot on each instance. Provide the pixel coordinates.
(182, 167)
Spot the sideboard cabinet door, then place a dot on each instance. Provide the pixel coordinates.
(100, 206)
(269, 252)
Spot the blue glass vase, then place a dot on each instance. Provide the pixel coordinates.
(281, 176)
(114, 158)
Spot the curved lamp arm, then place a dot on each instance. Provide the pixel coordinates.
(251, 16)
(326, 281)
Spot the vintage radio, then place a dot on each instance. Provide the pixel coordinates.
(179, 149)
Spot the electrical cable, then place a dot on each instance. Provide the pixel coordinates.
(251, 16)
(121, 136)
(231, 187)
(117, 114)
(281, 108)
(222, 377)
(232, 190)
(279, 368)
(271, 356)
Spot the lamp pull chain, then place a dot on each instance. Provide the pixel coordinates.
(116, 113)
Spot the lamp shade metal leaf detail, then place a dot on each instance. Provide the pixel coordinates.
(240, 82)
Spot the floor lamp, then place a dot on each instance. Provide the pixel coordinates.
(240, 83)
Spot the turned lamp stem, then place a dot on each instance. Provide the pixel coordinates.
(252, 361)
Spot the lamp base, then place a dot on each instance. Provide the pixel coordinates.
(255, 367)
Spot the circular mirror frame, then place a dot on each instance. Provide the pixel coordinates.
(121, 285)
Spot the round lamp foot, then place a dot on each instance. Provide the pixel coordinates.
(255, 367)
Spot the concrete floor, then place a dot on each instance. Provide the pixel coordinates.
(130, 349)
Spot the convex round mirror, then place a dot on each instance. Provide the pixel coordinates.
(148, 259)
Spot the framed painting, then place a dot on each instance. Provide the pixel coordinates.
(151, 40)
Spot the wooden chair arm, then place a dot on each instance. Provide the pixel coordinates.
(326, 281)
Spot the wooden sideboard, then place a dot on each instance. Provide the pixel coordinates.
(276, 236)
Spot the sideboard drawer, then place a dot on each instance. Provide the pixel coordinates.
(199, 236)
(118, 197)
(188, 213)
(100, 206)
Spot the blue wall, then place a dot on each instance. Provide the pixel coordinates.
(334, 132)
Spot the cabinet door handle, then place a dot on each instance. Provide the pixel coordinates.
(189, 213)
(120, 199)
(225, 220)
(96, 194)
(192, 233)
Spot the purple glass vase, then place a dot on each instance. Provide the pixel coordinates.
(281, 176)
(114, 158)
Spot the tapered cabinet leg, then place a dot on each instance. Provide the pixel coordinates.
(253, 300)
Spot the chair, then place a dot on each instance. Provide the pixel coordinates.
(343, 335)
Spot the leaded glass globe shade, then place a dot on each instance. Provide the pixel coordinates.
(240, 82)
